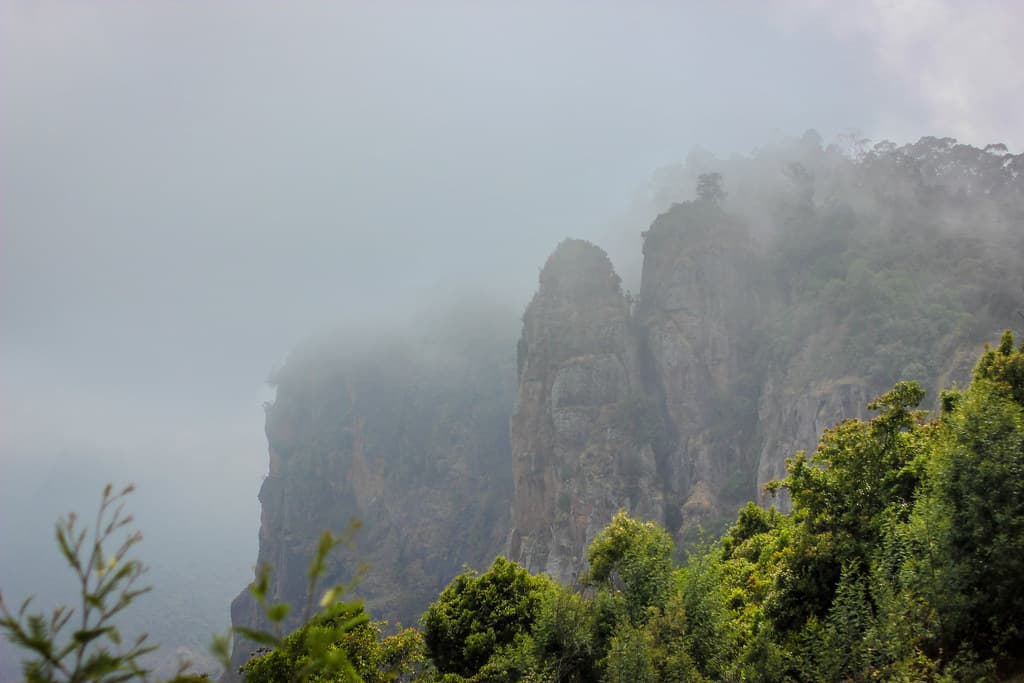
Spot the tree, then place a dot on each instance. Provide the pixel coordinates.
(95, 650)
(629, 657)
(636, 558)
(564, 635)
(475, 615)
(710, 188)
(861, 477)
(973, 509)
(373, 659)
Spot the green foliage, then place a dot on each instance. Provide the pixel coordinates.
(339, 644)
(629, 657)
(478, 614)
(327, 648)
(670, 646)
(94, 649)
(864, 251)
(974, 510)
(564, 635)
(1003, 369)
(336, 644)
(636, 558)
(710, 634)
(861, 474)
(900, 559)
(842, 652)
(751, 521)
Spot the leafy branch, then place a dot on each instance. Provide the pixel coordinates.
(108, 584)
(334, 619)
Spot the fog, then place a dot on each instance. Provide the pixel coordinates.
(188, 190)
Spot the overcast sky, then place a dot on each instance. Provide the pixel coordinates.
(187, 189)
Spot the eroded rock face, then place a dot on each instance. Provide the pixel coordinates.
(575, 461)
(794, 413)
(695, 308)
(631, 404)
(670, 406)
(409, 438)
(793, 421)
(676, 406)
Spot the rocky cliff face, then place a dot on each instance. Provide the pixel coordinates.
(410, 438)
(741, 347)
(576, 459)
(628, 404)
(793, 413)
(695, 311)
(680, 405)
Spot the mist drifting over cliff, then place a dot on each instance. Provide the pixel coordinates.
(189, 190)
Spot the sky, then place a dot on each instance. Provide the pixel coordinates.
(188, 189)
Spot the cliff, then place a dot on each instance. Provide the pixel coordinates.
(697, 300)
(407, 433)
(747, 340)
(633, 409)
(576, 460)
(760, 320)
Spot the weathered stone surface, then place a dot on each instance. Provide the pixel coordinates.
(409, 438)
(676, 406)
(793, 421)
(574, 464)
(695, 308)
(620, 408)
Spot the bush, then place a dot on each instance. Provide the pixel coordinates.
(478, 614)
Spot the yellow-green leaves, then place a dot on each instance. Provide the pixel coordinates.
(635, 557)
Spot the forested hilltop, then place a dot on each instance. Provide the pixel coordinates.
(780, 293)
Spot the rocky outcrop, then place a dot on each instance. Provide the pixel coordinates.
(696, 302)
(409, 438)
(576, 457)
(793, 413)
(741, 347)
(794, 420)
(680, 405)
(633, 405)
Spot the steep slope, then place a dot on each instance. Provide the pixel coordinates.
(644, 405)
(407, 435)
(762, 318)
(696, 307)
(576, 456)
(897, 265)
(745, 344)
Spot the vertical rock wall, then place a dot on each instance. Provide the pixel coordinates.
(411, 439)
(630, 405)
(575, 461)
(696, 300)
(676, 406)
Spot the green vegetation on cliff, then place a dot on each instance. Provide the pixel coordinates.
(901, 560)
